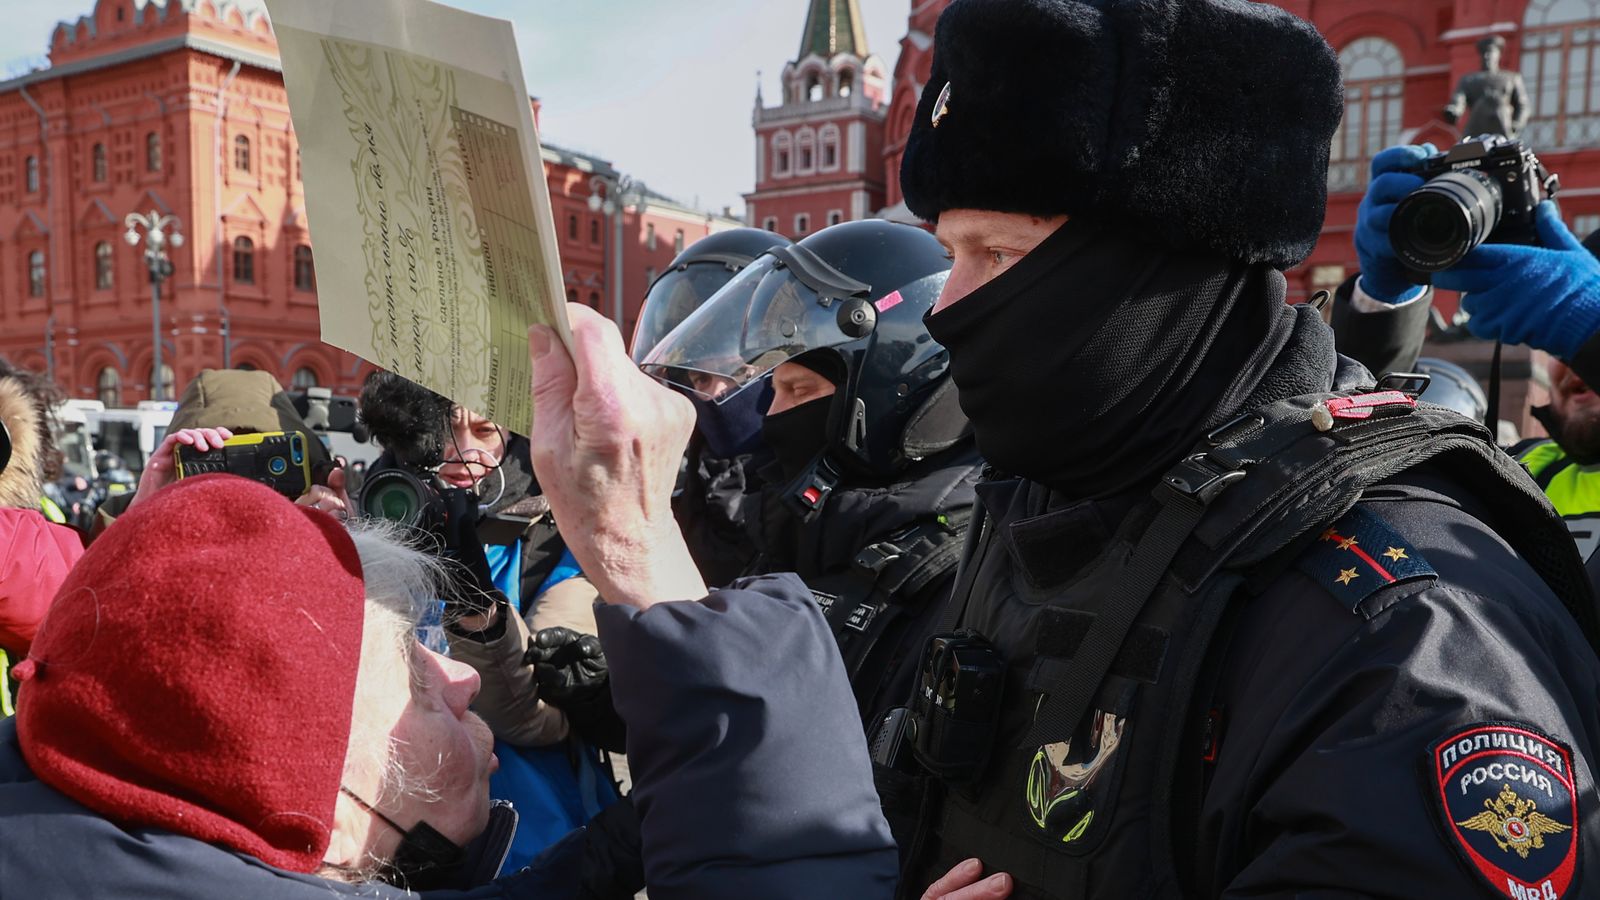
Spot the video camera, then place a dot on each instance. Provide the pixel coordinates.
(1482, 189)
(412, 424)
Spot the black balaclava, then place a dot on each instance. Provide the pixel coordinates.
(1097, 360)
(798, 435)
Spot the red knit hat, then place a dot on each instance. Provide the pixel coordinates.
(197, 671)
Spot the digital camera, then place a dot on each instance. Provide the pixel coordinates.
(277, 459)
(1482, 189)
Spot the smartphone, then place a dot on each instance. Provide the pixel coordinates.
(277, 459)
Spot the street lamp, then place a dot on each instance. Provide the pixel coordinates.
(612, 194)
(157, 238)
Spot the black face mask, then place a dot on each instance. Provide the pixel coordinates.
(1097, 361)
(733, 428)
(797, 436)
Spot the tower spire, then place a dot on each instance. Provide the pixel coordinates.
(833, 26)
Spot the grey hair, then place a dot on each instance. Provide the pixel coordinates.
(401, 581)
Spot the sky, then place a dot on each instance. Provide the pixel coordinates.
(664, 90)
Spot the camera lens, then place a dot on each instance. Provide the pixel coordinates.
(1440, 222)
(392, 495)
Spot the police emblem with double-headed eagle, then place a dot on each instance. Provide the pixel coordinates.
(1508, 798)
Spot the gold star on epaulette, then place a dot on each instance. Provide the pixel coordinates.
(1347, 543)
(1347, 575)
(1330, 535)
(1396, 554)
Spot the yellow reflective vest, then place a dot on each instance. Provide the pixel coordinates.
(1573, 489)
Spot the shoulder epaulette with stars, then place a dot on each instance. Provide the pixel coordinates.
(1359, 555)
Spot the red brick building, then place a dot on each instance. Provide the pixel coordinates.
(178, 106)
(819, 151)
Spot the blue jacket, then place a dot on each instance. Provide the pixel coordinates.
(751, 771)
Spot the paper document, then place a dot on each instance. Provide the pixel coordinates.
(425, 191)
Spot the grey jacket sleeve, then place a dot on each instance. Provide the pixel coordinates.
(751, 770)
(1386, 341)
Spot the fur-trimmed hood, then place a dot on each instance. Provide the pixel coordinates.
(22, 479)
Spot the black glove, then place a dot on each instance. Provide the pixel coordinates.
(571, 671)
(613, 861)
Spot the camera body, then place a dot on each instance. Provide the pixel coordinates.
(1483, 189)
(277, 459)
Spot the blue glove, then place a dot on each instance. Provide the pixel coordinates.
(1382, 276)
(1547, 297)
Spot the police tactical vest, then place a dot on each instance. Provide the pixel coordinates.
(885, 587)
(1109, 649)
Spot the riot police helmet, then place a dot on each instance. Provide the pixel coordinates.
(857, 289)
(1453, 387)
(694, 275)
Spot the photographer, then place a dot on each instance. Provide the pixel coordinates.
(1546, 295)
(517, 600)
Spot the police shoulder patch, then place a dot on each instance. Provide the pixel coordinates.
(1359, 555)
(1507, 800)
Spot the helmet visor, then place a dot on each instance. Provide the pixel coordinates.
(672, 298)
(780, 306)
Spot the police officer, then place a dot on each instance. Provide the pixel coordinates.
(872, 485)
(1235, 621)
(726, 450)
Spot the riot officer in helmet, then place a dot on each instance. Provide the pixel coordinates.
(726, 450)
(1236, 621)
(872, 484)
(871, 487)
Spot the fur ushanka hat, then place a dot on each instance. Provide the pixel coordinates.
(1200, 124)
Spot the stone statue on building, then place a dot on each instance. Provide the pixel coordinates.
(1495, 101)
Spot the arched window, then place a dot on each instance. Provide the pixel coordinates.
(594, 231)
(152, 152)
(830, 148)
(303, 378)
(1561, 71)
(572, 226)
(99, 154)
(31, 174)
(847, 82)
(805, 145)
(802, 223)
(594, 299)
(305, 272)
(572, 295)
(102, 266)
(650, 235)
(241, 154)
(108, 387)
(677, 243)
(780, 153)
(813, 87)
(770, 223)
(1373, 78)
(161, 387)
(36, 273)
(244, 260)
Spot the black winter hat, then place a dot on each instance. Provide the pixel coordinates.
(1202, 124)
